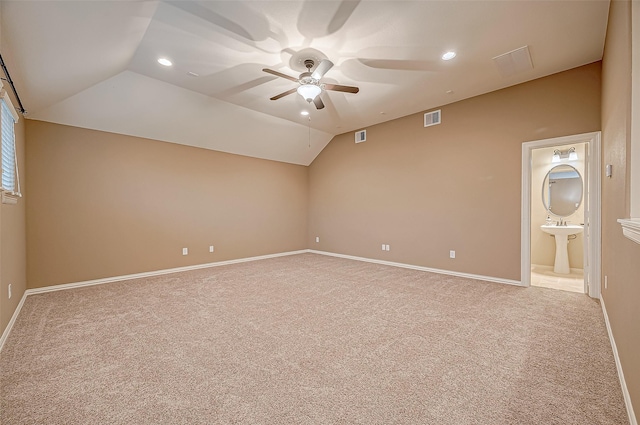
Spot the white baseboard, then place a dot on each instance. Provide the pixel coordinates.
(623, 383)
(65, 286)
(157, 273)
(550, 268)
(73, 285)
(7, 330)
(424, 269)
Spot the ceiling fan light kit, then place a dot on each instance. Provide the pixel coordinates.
(309, 91)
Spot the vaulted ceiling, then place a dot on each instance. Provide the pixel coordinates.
(94, 63)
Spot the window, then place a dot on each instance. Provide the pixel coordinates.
(10, 178)
(8, 149)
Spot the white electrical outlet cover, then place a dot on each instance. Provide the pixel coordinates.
(211, 248)
(317, 238)
(387, 248)
(383, 247)
(185, 251)
(452, 254)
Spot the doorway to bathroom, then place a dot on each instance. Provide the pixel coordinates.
(561, 213)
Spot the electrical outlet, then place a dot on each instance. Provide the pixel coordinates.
(211, 248)
(452, 254)
(384, 247)
(317, 238)
(606, 282)
(185, 251)
(9, 289)
(387, 248)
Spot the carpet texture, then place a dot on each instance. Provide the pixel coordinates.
(309, 339)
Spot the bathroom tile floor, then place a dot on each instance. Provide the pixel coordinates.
(543, 276)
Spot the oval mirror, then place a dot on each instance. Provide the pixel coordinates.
(562, 190)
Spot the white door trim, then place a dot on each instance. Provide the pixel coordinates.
(593, 221)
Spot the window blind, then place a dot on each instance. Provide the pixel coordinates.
(8, 148)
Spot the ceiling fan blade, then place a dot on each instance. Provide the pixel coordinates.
(279, 74)
(288, 92)
(318, 102)
(322, 69)
(331, 108)
(338, 87)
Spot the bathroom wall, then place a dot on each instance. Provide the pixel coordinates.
(543, 246)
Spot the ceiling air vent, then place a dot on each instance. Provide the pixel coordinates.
(432, 118)
(361, 136)
(514, 62)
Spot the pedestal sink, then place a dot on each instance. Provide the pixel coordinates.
(561, 234)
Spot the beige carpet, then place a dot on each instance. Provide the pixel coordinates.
(309, 339)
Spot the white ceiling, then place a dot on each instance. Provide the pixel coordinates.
(94, 63)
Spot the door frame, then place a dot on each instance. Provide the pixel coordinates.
(592, 234)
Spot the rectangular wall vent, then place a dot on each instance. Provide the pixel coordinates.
(361, 136)
(432, 118)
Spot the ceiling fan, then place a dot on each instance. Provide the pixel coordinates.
(310, 86)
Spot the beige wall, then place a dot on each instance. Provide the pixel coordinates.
(620, 255)
(454, 186)
(13, 253)
(543, 245)
(104, 205)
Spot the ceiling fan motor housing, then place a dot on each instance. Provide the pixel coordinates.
(309, 86)
(307, 77)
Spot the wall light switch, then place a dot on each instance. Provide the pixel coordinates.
(386, 247)
(452, 254)
(317, 238)
(608, 170)
(606, 282)
(185, 251)
(9, 289)
(210, 248)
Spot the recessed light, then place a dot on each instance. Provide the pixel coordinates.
(165, 62)
(305, 113)
(448, 56)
